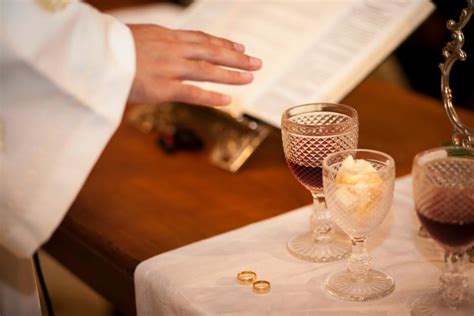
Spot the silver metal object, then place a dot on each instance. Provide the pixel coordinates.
(452, 52)
(232, 140)
(235, 146)
(463, 135)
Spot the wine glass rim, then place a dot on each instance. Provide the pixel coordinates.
(287, 122)
(423, 153)
(390, 160)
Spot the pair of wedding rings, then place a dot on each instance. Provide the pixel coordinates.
(250, 277)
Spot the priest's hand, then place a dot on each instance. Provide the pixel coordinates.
(166, 58)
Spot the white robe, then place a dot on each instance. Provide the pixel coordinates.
(65, 78)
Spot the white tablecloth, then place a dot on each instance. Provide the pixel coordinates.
(201, 278)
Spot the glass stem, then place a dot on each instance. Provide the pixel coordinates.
(423, 233)
(359, 262)
(320, 220)
(453, 281)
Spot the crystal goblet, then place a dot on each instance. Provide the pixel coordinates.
(359, 188)
(443, 191)
(309, 133)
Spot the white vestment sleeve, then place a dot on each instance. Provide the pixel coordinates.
(65, 79)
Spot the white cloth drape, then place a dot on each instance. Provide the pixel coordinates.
(65, 78)
(200, 279)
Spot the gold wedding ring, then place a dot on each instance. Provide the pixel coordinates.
(53, 5)
(246, 277)
(261, 287)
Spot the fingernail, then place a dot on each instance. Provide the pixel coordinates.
(239, 47)
(246, 76)
(255, 62)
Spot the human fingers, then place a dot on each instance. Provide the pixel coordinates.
(184, 69)
(191, 94)
(201, 37)
(156, 32)
(219, 56)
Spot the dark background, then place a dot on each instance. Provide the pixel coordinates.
(421, 53)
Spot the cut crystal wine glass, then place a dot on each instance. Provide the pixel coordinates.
(359, 199)
(310, 132)
(443, 191)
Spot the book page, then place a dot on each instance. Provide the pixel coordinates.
(275, 31)
(339, 59)
(312, 50)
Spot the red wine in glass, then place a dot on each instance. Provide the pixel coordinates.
(310, 177)
(446, 222)
(309, 133)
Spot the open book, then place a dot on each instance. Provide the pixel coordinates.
(312, 50)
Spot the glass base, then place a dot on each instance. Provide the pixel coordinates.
(423, 233)
(376, 285)
(432, 305)
(330, 247)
